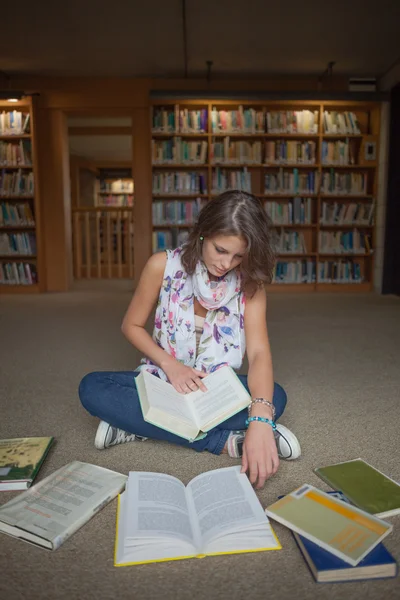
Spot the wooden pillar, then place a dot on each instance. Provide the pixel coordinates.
(55, 198)
(142, 209)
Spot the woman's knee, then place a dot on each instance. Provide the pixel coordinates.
(280, 399)
(88, 389)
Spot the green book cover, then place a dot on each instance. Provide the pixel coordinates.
(20, 460)
(342, 529)
(364, 486)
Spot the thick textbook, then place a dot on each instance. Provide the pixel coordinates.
(364, 486)
(218, 512)
(191, 415)
(51, 511)
(328, 568)
(20, 461)
(344, 530)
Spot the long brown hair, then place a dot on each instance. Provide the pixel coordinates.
(240, 214)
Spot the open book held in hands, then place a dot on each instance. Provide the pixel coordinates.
(218, 512)
(191, 415)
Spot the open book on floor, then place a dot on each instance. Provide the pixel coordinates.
(51, 511)
(191, 415)
(218, 512)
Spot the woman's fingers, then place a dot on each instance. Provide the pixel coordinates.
(200, 384)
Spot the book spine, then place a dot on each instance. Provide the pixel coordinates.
(39, 464)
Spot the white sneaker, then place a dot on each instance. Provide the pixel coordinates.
(287, 443)
(107, 436)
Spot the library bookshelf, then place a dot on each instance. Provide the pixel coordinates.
(313, 165)
(20, 248)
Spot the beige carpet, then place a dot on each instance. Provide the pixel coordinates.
(338, 358)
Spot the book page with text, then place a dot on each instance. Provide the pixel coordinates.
(224, 397)
(163, 396)
(225, 502)
(158, 510)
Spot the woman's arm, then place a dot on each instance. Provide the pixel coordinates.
(184, 379)
(260, 456)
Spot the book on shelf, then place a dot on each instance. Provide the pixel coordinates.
(229, 179)
(17, 243)
(235, 152)
(16, 183)
(178, 151)
(294, 271)
(292, 121)
(21, 273)
(290, 152)
(178, 212)
(54, 509)
(344, 242)
(291, 242)
(294, 212)
(179, 182)
(351, 213)
(174, 119)
(345, 122)
(339, 271)
(161, 519)
(163, 240)
(339, 152)
(334, 182)
(328, 568)
(15, 214)
(191, 415)
(21, 459)
(343, 530)
(240, 120)
(291, 182)
(14, 154)
(364, 485)
(14, 122)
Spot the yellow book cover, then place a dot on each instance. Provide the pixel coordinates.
(161, 519)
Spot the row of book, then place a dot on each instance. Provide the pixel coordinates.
(16, 214)
(17, 273)
(179, 183)
(339, 213)
(117, 186)
(291, 242)
(344, 242)
(284, 151)
(297, 211)
(338, 153)
(16, 183)
(175, 212)
(177, 120)
(178, 151)
(294, 271)
(341, 122)
(17, 243)
(333, 182)
(339, 271)
(14, 122)
(16, 154)
(115, 200)
(228, 179)
(162, 240)
(231, 152)
(252, 121)
(295, 182)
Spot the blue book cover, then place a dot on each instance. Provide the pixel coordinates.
(328, 568)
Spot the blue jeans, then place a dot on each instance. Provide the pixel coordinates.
(112, 397)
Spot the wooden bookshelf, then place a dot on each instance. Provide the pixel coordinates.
(327, 152)
(20, 240)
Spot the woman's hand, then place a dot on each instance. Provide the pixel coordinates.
(260, 455)
(184, 379)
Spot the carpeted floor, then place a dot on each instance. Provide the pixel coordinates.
(338, 358)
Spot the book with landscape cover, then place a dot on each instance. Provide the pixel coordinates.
(51, 511)
(20, 461)
(364, 486)
(342, 529)
(328, 568)
(191, 415)
(161, 519)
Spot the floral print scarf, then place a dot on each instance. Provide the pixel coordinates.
(222, 341)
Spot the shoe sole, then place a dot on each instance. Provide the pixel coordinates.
(291, 441)
(101, 435)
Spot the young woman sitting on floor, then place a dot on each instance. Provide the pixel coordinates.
(211, 309)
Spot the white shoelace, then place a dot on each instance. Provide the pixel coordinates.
(123, 437)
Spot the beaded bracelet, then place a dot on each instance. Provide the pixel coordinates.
(262, 419)
(262, 401)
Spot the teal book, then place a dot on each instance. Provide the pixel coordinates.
(20, 461)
